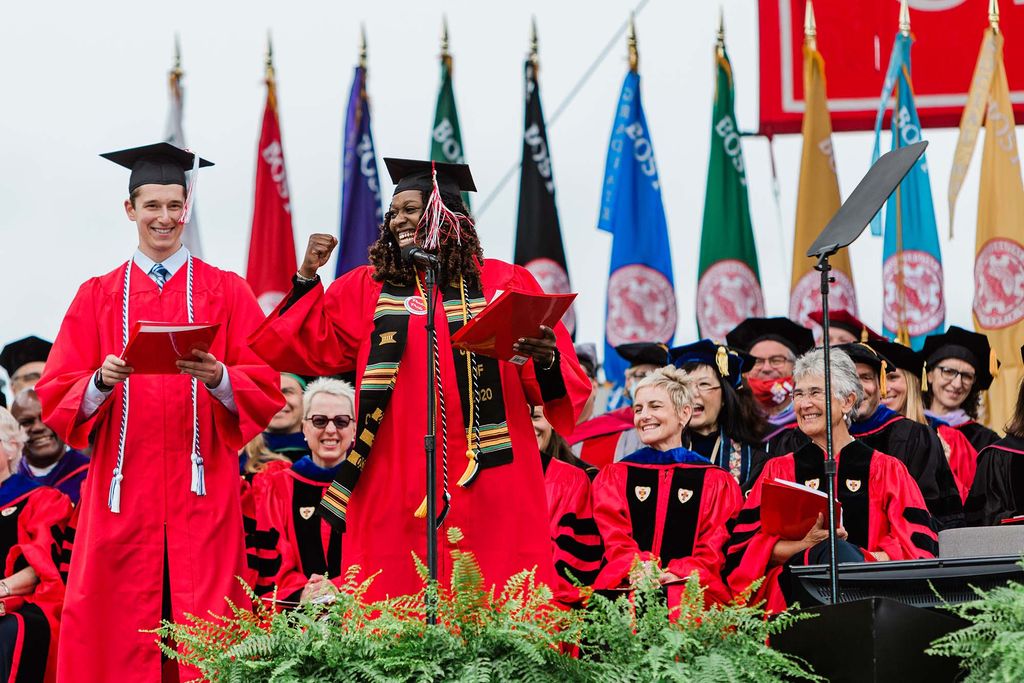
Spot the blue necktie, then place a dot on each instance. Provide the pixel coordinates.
(159, 274)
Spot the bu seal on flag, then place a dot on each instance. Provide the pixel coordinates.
(806, 298)
(553, 279)
(922, 292)
(641, 306)
(728, 293)
(415, 305)
(999, 284)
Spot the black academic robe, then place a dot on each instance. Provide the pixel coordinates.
(998, 489)
(979, 435)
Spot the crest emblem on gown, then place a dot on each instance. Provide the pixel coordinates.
(306, 513)
(813, 483)
(415, 305)
(853, 485)
(642, 492)
(7, 512)
(684, 495)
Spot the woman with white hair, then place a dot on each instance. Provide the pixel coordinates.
(663, 509)
(308, 549)
(32, 520)
(884, 514)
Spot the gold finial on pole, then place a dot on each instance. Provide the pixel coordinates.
(534, 44)
(270, 54)
(810, 28)
(904, 18)
(720, 38)
(270, 79)
(446, 57)
(993, 15)
(176, 71)
(362, 46)
(634, 54)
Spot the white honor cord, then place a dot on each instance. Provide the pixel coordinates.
(198, 476)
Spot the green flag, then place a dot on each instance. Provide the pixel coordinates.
(446, 136)
(729, 283)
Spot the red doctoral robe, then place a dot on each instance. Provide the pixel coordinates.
(675, 512)
(503, 514)
(882, 510)
(963, 459)
(575, 540)
(115, 585)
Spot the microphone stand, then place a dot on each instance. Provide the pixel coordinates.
(830, 461)
(429, 448)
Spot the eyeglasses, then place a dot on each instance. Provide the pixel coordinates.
(774, 361)
(704, 388)
(950, 374)
(320, 421)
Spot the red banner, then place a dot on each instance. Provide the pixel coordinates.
(272, 244)
(855, 38)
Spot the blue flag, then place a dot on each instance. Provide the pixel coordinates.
(361, 214)
(641, 304)
(914, 303)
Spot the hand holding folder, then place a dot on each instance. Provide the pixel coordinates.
(789, 510)
(510, 316)
(154, 348)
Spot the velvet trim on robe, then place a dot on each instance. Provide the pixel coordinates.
(117, 567)
(503, 514)
(998, 489)
(674, 513)
(66, 476)
(575, 541)
(883, 510)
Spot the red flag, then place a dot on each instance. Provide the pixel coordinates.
(272, 244)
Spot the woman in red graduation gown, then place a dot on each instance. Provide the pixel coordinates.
(884, 514)
(664, 508)
(32, 522)
(371, 321)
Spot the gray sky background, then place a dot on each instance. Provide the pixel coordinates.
(83, 78)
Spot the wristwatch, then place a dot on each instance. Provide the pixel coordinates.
(97, 381)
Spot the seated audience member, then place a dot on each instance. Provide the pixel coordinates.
(959, 366)
(24, 361)
(308, 548)
(47, 460)
(575, 542)
(259, 463)
(884, 515)
(32, 520)
(284, 433)
(774, 343)
(727, 427)
(844, 328)
(664, 508)
(998, 489)
(903, 395)
(609, 437)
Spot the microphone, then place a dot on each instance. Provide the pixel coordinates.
(417, 256)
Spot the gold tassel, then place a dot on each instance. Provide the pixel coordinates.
(472, 469)
(882, 389)
(924, 376)
(863, 335)
(993, 363)
(421, 511)
(722, 361)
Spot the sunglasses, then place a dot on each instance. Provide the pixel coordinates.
(340, 421)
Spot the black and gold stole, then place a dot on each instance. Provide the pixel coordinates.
(480, 391)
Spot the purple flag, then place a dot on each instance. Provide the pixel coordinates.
(361, 213)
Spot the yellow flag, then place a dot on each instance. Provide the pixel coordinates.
(999, 255)
(817, 201)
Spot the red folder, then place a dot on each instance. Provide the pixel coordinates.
(154, 347)
(1019, 519)
(510, 316)
(789, 510)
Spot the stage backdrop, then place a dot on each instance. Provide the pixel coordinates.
(855, 39)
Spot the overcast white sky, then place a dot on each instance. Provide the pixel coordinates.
(80, 78)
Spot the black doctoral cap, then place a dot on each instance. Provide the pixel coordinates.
(859, 352)
(970, 347)
(644, 353)
(730, 363)
(899, 356)
(410, 174)
(586, 354)
(845, 320)
(27, 350)
(159, 164)
(796, 337)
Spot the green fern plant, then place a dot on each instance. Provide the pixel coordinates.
(518, 636)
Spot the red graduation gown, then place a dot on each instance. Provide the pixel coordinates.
(116, 576)
(676, 513)
(882, 510)
(963, 459)
(503, 514)
(575, 540)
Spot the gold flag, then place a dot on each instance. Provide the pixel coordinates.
(999, 251)
(817, 201)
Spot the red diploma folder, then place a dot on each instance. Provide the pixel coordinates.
(789, 510)
(153, 347)
(510, 316)
(1019, 519)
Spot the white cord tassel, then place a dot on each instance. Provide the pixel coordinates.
(198, 476)
(114, 497)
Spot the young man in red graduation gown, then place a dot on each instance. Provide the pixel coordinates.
(159, 531)
(371, 320)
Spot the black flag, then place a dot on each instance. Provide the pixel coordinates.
(538, 235)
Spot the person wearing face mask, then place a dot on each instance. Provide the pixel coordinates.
(662, 510)
(774, 344)
(884, 515)
(726, 427)
(959, 366)
(903, 396)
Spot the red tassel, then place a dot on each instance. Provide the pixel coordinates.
(441, 223)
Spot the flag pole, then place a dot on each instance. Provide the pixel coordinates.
(902, 332)
(634, 53)
(269, 78)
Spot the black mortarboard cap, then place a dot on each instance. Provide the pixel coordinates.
(899, 356)
(159, 164)
(845, 320)
(860, 352)
(644, 353)
(728, 363)
(27, 350)
(410, 174)
(586, 354)
(796, 337)
(970, 347)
